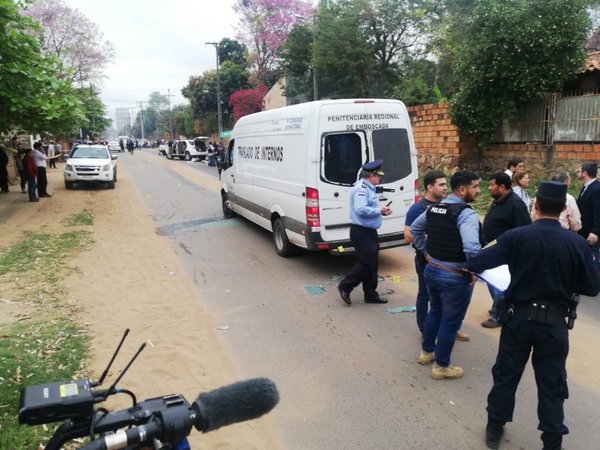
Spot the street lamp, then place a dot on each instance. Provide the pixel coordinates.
(219, 119)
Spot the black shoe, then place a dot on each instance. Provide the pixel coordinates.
(493, 433)
(377, 299)
(345, 295)
(46, 195)
(34, 199)
(552, 441)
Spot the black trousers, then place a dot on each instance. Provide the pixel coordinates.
(42, 181)
(3, 179)
(366, 243)
(550, 345)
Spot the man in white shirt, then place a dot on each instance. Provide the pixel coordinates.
(513, 166)
(41, 159)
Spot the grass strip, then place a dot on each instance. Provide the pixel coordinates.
(43, 343)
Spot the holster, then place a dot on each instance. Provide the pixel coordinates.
(505, 311)
(547, 312)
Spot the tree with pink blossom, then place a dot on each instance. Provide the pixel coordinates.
(265, 24)
(69, 35)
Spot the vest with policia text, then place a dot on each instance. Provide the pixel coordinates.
(443, 238)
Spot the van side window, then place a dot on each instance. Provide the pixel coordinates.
(229, 155)
(392, 145)
(342, 158)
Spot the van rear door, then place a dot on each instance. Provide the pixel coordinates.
(352, 134)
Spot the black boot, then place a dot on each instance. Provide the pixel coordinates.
(493, 433)
(552, 441)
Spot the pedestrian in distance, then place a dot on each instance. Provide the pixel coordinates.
(130, 146)
(513, 166)
(366, 217)
(220, 159)
(41, 161)
(31, 169)
(589, 206)
(51, 155)
(21, 170)
(548, 265)
(3, 170)
(506, 212)
(448, 233)
(121, 145)
(520, 183)
(570, 217)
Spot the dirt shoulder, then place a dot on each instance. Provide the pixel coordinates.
(130, 277)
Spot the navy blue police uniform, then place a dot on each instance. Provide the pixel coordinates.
(548, 264)
(365, 216)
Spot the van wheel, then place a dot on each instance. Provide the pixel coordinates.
(169, 156)
(187, 156)
(68, 185)
(283, 247)
(110, 184)
(227, 212)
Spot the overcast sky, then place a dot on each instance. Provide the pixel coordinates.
(158, 44)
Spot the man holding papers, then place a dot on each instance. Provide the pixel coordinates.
(548, 264)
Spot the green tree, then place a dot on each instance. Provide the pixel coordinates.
(343, 58)
(234, 51)
(512, 51)
(31, 97)
(96, 121)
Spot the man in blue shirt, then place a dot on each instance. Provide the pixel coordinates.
(448, 233)
(365, 215)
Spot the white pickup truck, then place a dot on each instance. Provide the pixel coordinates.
(90, 163)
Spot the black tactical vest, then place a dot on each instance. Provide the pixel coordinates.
(443, 238)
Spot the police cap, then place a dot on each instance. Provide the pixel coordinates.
(374, 166)
(552, 189)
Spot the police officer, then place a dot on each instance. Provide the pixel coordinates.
(448, 232)
(365, 215)
(548, 264)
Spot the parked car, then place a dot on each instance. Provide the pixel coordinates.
(113, 146)
(188, 149)
(90, 163)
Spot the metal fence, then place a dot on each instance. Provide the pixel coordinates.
(554, 119)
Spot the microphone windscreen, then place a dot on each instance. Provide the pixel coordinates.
(235, 403)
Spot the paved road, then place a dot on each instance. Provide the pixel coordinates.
(348, 377)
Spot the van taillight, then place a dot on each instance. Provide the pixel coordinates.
(313, 218)
(416, 190)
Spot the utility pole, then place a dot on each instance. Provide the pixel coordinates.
(219, 118)
(170, 122)
(142, 118)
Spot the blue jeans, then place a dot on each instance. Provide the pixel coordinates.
(422, 303)
(31, 187)
(449, 298)
(497, 296)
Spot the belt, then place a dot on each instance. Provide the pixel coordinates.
(447, 269)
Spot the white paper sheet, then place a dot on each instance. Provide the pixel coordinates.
(499, 277)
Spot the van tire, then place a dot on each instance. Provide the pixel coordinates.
(188, 156)
(283, 247)
(169, 156)
(68, 185)
(227, 212)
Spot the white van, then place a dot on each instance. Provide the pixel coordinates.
(291, 170)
